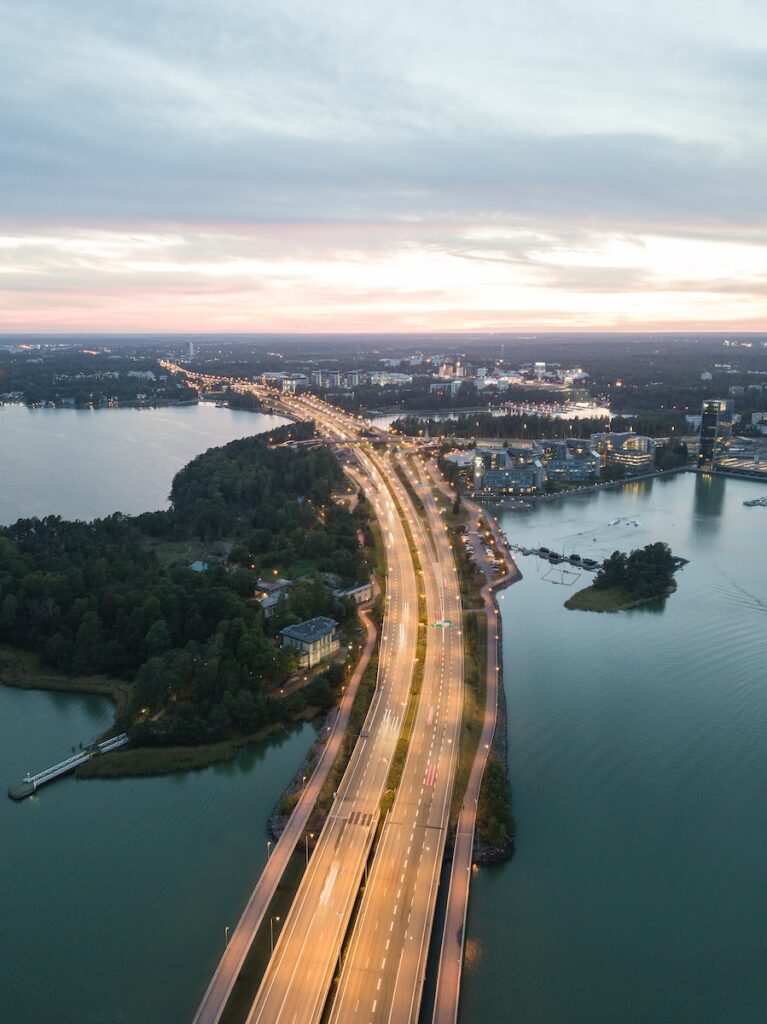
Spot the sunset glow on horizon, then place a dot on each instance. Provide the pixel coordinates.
(283, 169)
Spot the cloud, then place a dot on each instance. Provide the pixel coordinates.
(279, 146)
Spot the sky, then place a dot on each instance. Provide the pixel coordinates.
(284, 165)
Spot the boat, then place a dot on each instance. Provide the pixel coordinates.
(755, 502)
(575, 558)
(544, 551)
(613, 522)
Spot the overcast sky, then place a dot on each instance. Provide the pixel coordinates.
(267, 165)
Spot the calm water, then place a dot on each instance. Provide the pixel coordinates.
(638, 892)
(87, 463)
(637, 750)
(114, 895)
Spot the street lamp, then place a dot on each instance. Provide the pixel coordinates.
(268, 849)
(307, 837)
(271, 930)
(226, 936)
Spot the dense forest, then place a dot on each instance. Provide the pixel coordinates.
(98, 597)
(529, 427)
(85, 378)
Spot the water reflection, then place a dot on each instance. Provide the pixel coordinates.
(709, 496)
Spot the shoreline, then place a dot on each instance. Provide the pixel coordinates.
(586, 604)
(20, 670)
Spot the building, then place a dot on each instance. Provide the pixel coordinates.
(269, 604)
(273, 378)
(497, 471)
(360, 592)
(352, 378)
(334, 378)
(318, 378)
(382, 378)
(715, 432)
(634, 452)
(295, 383)
(570, 459)
(446, 387)
(265, 588)
(315, 640)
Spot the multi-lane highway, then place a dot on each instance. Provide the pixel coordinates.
(295, 986)
(385, 947)
(382, 977)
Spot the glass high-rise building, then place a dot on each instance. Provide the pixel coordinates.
(715, 432)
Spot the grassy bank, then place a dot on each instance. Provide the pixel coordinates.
(615, 599)
(403, 743)
(22, 669)
(475, 690)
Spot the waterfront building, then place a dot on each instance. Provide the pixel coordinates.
(497, 471)
(315, 640)
(567, 459)
(715, 432)
(634, 452)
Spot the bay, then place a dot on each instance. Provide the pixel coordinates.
(114, 894)
(86, 463)
(637, 755)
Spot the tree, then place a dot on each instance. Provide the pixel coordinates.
(89, 641)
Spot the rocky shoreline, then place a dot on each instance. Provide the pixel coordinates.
(280, 816)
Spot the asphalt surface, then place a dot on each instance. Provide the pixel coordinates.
(448, 989)
(382, 977)
(296, 983)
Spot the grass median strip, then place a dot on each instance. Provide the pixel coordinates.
(403, 743)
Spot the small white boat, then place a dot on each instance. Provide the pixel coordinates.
(613, 522)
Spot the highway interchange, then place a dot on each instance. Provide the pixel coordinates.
(354, 944)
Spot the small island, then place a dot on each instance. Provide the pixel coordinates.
(628, 580)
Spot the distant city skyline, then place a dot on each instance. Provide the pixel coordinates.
(361, 168)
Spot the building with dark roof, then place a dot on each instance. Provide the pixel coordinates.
(315, 640)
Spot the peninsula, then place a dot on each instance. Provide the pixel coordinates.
(187, 611)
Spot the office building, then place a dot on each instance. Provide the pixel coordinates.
(634, 452)
(715, 432)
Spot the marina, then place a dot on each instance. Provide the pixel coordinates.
(556, 557)
(756, 501)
